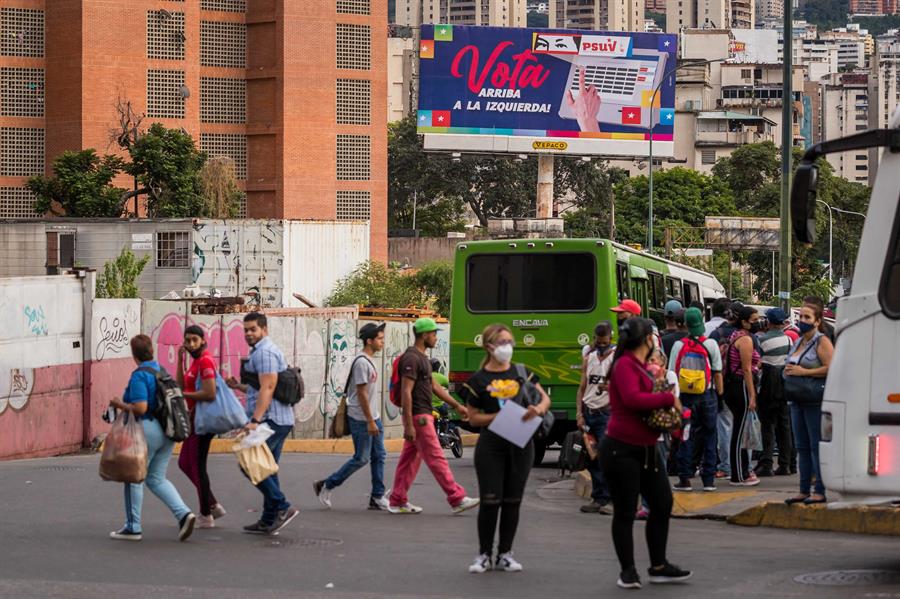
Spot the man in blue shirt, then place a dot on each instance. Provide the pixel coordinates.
(264, 363)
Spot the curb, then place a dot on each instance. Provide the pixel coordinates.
(858, 520)
(337, 446)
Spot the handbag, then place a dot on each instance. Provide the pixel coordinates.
(662, 419)
(530, 396)
(224, 414)
(804, 389)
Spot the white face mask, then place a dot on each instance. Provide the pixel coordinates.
(503, 353)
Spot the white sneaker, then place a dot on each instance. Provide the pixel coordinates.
(218, 511)
(466, 504)
(507, 563)
(325, 497)
(404, 509)
(125, 535)
(380, 504)
(206, 521)
(481, 564)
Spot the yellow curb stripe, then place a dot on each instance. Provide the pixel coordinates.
(338, 446)
(859, 520)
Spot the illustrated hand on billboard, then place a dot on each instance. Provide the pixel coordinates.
(586, 105)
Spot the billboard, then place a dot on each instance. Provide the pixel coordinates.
(500, 89)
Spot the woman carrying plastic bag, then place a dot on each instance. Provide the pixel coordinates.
(124, 458)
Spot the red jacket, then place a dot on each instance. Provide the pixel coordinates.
(631, 398)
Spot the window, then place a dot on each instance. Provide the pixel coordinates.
(223, 44)
(707, 156)
(354, 46)
(173, 249)
(354, 99)
(691, 293)
(531, 283)
(165, 94)
(165, 35)
(889, 293)
(354, 205)
(223, 100)
(353, 158)
(622, 281)
(21, 92)
(673, 288)
(746, 73)
(21, 32)
(21, 152)
(657, 291)
(353, 7)
(224, 5)
(17, 202)
(232, 145)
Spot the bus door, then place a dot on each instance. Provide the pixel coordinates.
(639, 287)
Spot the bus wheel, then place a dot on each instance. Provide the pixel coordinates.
(540, 448)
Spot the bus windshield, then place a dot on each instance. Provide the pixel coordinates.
(560, 282)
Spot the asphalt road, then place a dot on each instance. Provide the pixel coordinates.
(57, 513)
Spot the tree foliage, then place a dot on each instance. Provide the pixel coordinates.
(435, 279)
(220, 190)
(376, 285)
(81, 186)
(119, 276)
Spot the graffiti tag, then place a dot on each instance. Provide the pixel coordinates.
(113, 336)
(36, 321)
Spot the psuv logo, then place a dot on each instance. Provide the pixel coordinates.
(531, 323)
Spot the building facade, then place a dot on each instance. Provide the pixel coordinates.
(598, 15)
(293, 91)
(494, 13)
(710, 14)
(845, 111)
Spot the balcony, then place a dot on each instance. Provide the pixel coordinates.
(731, 138)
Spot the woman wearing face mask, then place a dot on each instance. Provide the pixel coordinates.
(631, 462)
(809, 357)
(198, 384)
(502, 467)
(740, 391)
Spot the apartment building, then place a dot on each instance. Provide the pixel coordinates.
(769, 9)
(710, 14)
(495, 13)
(598, 15)
(820, 57)
(845, 111)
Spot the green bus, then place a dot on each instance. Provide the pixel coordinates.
(551, 293)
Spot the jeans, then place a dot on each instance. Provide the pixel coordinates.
(807, 423)
(596, 421)
(193, 462)
(159, 451)
(704, 421)
(724, 424)
(425, 447)
(366, 450)
(502, 470)
(274, 500)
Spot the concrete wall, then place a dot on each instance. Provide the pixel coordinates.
(416, 252)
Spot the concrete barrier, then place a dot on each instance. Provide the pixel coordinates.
(861, 520)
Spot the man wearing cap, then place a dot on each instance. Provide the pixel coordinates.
(627, 309)
(703, 406)
(774, 414)
(674, 314)
(421, 442)
(364, 414)
(592, 410)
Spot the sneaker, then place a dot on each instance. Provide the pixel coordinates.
(218, 511)
(323, 493)
(125, 535)
(683, 485)
(669, 573)
(629, 579)
(466, 504)
(642, 514)
(722, 474)
(507, 563)
(407, 508)
(283, 518)
(481, 564)
(748, 482)
(593, 507)
(782, 471)
(379, 503)
(709, 487)
(257, 528)
(764, 472)
(186, 527)
(206, 521)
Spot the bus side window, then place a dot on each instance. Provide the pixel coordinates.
(691, 293)
(622, 281)
(657, 291)
(889, 294)
(673, 288)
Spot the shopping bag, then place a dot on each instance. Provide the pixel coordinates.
(124, 457)
(340, 424)
(256, 461)
(752, 439)
(224, 414)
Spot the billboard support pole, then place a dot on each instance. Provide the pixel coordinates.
(545, 186)
(787, 136)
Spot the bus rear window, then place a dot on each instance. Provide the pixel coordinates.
(531, 283)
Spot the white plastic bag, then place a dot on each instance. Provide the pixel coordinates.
(752, 439)
(256, 437)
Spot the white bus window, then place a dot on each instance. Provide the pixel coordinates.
(531, 283)
(889, 293)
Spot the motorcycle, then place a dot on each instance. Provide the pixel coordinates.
(447, 432)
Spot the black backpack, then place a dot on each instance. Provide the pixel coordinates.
(289, 389)
(171, 408)
(573, 456)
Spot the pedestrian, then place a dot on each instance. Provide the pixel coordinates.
(502, 467)
(592, 410)
(198, 384)
(720, 311)
(674, 315)
(818, 305)
(774, 414)
(140, 401)
(696, 353)
(420, 438)
(598, 341)
(259, 376)
(443, 381)
(631, 462)
(625, 310)
(366, 428)
(743, 362)
(720, 328)
(808, 362)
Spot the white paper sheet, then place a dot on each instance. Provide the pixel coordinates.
(508, 424)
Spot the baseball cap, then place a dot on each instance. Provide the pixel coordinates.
(628, 306)
(370, 330)
(673, 307)
(425, 325)
(693, 319)
(776, 315)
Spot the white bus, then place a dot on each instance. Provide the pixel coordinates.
(860, 449)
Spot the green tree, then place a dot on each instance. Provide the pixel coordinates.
(538, 20)
(119, 276)
(374, 284)
(435, 279)
(221, 194)
(81, 186)
(747, 171)
(591, 185)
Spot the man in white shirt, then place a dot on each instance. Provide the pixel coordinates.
(720, 308)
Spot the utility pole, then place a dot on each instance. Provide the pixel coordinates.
(787, 142)
(545, 186)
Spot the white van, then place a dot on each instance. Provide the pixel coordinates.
(860, 449)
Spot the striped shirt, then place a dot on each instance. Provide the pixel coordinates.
(774, 347)
(266, 358)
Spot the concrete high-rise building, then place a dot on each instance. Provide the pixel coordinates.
(769, 9)
(656, 5)
(743, 14)
(598, 15)
(710, 14)
(845, 111)
(292, 90)
(494, 13)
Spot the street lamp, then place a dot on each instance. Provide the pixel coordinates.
(831, 234)
(672, 71)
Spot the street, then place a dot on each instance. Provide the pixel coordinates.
(57, 514)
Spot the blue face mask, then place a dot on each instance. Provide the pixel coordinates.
(805, 327)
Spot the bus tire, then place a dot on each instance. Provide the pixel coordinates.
(540, 448)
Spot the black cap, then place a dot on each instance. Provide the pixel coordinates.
(370, 330)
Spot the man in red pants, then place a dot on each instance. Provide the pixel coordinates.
(421, 442)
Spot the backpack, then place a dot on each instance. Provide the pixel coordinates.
(289, 389)
(171, 408)
(692, 366)
(394, 385)
(573, 454)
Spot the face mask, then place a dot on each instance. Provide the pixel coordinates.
(805, 327)
(602, 349)
(755, 327)
(503, 353)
